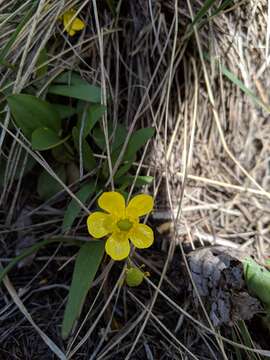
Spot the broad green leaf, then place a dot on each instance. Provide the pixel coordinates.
(33, 249)
(94, 114)
(86, 266)
(258, 280)
(116, 139)
(31, 113)
(73, 208)
(63, 154)
(44, 138)
(77, 88)
(41, 65)
(69, 78)
(84, 92)
(128, 180)
(89, 162)
(47, 186)
(137, 141)
(64, 111)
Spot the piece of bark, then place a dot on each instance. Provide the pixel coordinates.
(218, 275)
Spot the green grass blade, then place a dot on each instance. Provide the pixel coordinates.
(200, 14)
(234, 79)
(86, 266)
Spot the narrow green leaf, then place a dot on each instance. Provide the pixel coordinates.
(31, 113)
(41, 65)
(137, 141)
(94, 114)
(247, 340)
(258, 280)
(234, 79)
(44, 138)
(86, 266)
(73, 208)
(203, 11)
(47, 186)
(89, 161)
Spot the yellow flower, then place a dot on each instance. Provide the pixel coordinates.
(121, 223)
(72, 23)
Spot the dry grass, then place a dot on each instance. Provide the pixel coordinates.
(209, 159)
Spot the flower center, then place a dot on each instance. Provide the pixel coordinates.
(124, 224)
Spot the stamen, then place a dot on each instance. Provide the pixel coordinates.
(124, 224)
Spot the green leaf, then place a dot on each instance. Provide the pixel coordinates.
(137, 141)
(75, 87)
(89, 162)
(42, 59)
(258, 280)
(239, 83)
(44, 138)
(203, 11)
(117, 139)
(47, 186)
(94, 114)
(128, 180)
(73, 208)
(63, 154)
(234, 79)
(31, 113)
(86, 266)
(69, 78)
(124, 169)
(33, 249)
(64, 111)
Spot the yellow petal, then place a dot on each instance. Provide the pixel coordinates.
(140, 205)
(142, 236)
(67, 18)
(100, 224)
(77, 24)
(71, 32)
(117, 246)
(112, 202)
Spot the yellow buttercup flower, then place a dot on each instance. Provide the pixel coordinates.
(71, 23)
(121, 222)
